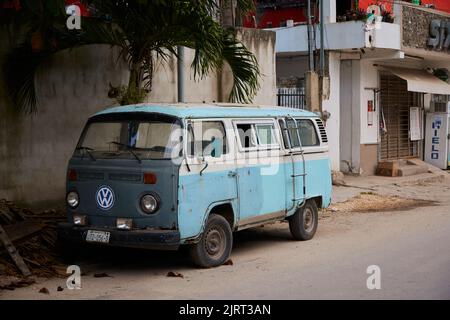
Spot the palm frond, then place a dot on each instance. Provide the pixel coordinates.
(244, 67)
(20, 70)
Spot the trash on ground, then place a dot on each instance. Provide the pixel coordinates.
(229, 262)
(101, 275)
(44, 291)
(175, 274)
(11, 283)
(33, 235)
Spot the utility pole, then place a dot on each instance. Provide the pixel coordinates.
(180, 72)
(322, 42)
(310, 38)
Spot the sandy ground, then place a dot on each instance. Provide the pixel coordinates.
(411, 247)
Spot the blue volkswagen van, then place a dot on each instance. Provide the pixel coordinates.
(162, 176)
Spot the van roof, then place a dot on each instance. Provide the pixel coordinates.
(222, 110)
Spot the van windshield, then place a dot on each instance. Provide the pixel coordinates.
(128, 139)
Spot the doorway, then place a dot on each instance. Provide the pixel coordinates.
(396, 112)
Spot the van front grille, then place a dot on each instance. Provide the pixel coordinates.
(323, 132)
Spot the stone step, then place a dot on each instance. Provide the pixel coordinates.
(402, 168)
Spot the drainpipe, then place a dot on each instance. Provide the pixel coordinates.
(310, 38)
(180, 71)
(322, 50)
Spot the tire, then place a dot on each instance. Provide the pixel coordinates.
(216, 242)
(303, 224)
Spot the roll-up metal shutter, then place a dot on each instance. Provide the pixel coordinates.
(396, 102)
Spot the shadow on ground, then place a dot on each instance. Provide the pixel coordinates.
(95, 259)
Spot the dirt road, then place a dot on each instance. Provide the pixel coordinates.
(412, 249)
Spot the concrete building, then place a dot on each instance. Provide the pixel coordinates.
(383, 79)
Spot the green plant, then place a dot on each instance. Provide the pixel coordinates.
(130, 95)
(144, 30)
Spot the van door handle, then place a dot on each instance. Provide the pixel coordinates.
(232, 174)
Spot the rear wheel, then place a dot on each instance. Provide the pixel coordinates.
(303, 224)
(214, 247)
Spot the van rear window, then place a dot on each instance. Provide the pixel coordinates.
(306, 131)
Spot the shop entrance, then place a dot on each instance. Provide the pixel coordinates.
(398, 110)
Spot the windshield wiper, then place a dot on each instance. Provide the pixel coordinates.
(128, 148)
(88, 151)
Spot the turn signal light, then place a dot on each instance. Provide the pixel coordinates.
(149, 178)
(72, 175)
(79, 220)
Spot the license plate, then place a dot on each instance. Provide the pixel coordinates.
(97, 236)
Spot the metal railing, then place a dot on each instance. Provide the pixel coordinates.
(291, 98)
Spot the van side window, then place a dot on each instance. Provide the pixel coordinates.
(257, 135)
(285, 134)
(265, 134)
(308, 134)
(293, 136)
(207, 139)
(246, 135)
(306, 130)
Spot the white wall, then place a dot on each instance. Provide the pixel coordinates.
(369, 79)
(332, 106)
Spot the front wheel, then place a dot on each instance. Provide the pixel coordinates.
(214, 247)
(303, 224)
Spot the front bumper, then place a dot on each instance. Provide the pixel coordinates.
(147, 239)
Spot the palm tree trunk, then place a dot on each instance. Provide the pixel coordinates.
(135, 81)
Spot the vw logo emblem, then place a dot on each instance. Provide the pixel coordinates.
(105, 198)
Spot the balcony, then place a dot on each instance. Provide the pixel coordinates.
(340, 36)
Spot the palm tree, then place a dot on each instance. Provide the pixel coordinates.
(144, 31)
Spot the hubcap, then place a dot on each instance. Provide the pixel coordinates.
(215, 243)
(308, 220)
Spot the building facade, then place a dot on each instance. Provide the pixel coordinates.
(281, 13)
(384, 79)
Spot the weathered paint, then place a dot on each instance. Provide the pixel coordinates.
(258, 195)
(254, 185)
(211, 111)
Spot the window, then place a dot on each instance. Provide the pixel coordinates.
(256, 135)
(153, 139)
(266, 135)
(246, 135)
(308, 134)
(207, 139)
(306, 131)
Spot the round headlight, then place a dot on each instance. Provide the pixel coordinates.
(149, 203)
(73, 199)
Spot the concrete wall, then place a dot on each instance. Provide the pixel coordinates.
(292, 66)
(369, 79)
(332, 106)
(34, 150)
(350, 115)
(359, 140)
(216, 87)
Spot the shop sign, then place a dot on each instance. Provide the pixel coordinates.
(435, 140)
(439, 34)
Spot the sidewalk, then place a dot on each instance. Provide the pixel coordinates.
(354, 185)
